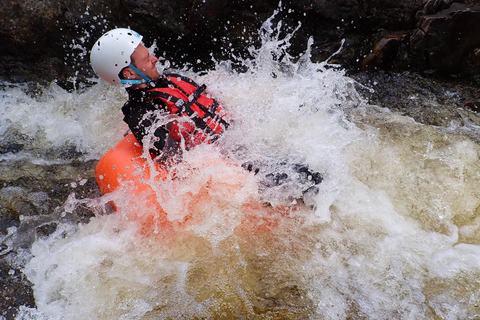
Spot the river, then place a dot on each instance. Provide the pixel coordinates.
(393, 232)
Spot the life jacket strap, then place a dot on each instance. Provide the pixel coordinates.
(209, 113)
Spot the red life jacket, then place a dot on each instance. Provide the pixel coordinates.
(184, 97)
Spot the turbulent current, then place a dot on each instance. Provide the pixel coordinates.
(393, 232)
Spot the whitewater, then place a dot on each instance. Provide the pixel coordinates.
(393, 232)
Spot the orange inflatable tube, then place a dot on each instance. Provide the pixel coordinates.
(124, 164)
(125, 167)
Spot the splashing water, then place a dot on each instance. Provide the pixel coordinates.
(393, 233)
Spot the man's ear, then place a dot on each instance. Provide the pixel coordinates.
(128, 73)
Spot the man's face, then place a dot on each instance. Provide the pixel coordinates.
(145, 62)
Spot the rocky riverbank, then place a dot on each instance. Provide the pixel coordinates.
(433, 43)
(43, 41)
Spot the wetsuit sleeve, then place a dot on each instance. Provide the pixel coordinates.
(163, 144)
(141, 118)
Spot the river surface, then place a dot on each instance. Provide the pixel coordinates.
(393, 232)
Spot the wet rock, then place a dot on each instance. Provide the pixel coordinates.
(448, 40)
(47, 40)
(473, 105)
(428, 100)
(16, 291)
(434, 6)
(28, 190)
(50, 40)
(384, 53)
(44, 230)
(11, 147)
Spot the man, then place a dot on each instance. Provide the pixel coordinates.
(173, 108)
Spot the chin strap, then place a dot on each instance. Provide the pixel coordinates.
(140, 73)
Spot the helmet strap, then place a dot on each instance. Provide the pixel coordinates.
(145, 79)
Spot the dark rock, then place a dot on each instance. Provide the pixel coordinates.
(434, 6)
(473, 105)
(448, 41)
(47, 40)
(50, 40)
(384, 53)
(428, 100)
(28, 190)
(44, 230)
(16, 291)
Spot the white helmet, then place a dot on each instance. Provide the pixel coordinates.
(111, 53)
